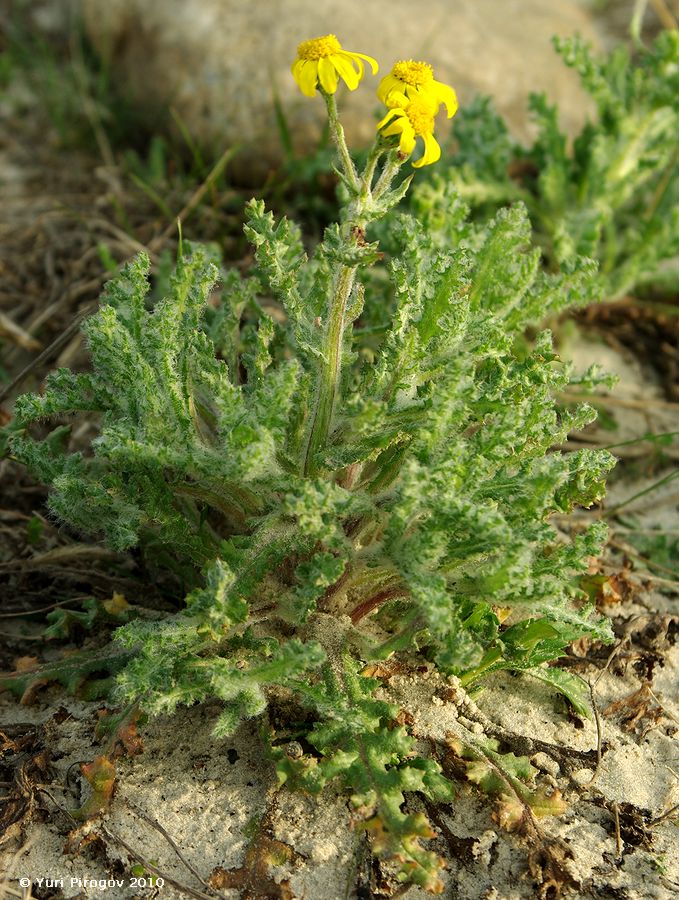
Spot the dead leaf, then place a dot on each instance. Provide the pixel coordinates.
(16, 333)
(100, 774)
(509, 812)
(547, 863)
(121, 731)
(117, 605)
(252, 878)
(636, 707)
(26, 663)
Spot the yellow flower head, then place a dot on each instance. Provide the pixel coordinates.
(412, 118)
(415, 79)
(322, 61)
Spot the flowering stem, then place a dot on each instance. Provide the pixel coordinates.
(330, 367)
(394, 162)
(337, 132)
(376, 151)
(361, 211)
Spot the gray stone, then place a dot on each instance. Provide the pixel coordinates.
(219, 63)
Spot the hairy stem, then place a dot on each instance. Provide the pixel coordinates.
(337, 133)
(360, 212)
(330, 368)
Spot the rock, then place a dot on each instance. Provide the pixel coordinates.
(545, 763)
(219, 63)
(583, 777)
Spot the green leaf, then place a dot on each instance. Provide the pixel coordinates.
(573, 687)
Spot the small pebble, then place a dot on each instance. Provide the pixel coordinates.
(545, 763)
(582, 777)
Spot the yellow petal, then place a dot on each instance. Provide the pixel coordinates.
(432, 151)
(346, 70)
(371, 62)
(307, 77)
(446, 95)
(397, 99)
(389, 115)
(399, 122)
(327, 75)
(383, 89)
(407, 143)
(396, 127)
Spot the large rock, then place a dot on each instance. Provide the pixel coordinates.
(220, 63)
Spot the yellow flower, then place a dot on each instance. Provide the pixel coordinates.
(415, 79)
(412, 118)
(322, 60)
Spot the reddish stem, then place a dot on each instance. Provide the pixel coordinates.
(367, 606)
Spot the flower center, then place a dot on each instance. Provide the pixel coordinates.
(421, 116)
(319, 47)
(413, 73)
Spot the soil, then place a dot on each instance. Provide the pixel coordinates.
(206, 815)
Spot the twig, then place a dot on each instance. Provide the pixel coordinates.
(48, 352)
(195, 198)
(619, 401)
(154, 823)
(621, 545)
(666, 712)
(618, 837)
(5, 889)
(10, 329)
(666, 815)
(664, 13)
(192, 892)
(620, 644)
(42, 609)
(118, 840)
(647, 490)
(599, 734)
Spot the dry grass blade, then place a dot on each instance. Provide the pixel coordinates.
(664, 13)
(154, 823)
(47, 353)
(154, 870)
(14, 332)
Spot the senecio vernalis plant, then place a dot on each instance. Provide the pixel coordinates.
(611, 194)
(347, 458)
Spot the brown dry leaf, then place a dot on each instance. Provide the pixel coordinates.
(253, 878)
(509, 812)
(116, 605)
(101, 776)
(17, 807)
(636, 707)
(607, 586)
(377, 670)
(121, 731)
(26, 663)
(581, 647)
(547, 864)
(404, 718)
